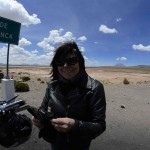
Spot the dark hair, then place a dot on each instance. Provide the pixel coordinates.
(61, 52)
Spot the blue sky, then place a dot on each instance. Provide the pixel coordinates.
(107, 32)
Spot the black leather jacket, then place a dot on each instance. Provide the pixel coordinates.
(85, 102)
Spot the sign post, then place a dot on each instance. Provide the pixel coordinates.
(7, 73)
(9, 33)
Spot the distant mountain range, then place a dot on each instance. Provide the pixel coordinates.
(1, 64)
(120, 65)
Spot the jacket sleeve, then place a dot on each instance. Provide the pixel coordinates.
(44, 104)
(48, 132)
(97, 124)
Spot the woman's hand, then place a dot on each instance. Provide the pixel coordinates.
(37, 123)
(63, 124)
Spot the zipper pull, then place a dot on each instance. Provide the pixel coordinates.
(67, 110)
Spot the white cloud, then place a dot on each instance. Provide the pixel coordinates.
(96, 42)
(14, 10)
(82, 49)
(20, 55)
(92, 62)
(24, 42)
(105, 29)
(46, 46)
(82, 38)
(68, 36)
(141, 47)
(85, 58)
(56, 37)
(118, 19)
(121, 59)
(34, 51)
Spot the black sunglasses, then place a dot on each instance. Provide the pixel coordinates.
(68, 61)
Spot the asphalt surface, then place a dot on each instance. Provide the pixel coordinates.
(127, 128)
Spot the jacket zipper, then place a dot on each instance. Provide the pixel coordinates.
(67, 110)
(67, 135)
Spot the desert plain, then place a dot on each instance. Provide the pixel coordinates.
(128, 105)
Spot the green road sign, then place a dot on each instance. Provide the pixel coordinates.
(9, 31)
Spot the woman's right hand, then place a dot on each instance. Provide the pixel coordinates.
(37, 123)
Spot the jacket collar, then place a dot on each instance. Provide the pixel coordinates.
(74, 81)
(82, 79)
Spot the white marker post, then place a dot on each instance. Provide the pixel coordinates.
(9, 33)
(8, 91)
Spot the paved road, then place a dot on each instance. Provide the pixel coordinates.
(127, 128)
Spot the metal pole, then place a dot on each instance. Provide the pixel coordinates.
(7, 75)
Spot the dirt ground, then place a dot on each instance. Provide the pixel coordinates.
(128, 128)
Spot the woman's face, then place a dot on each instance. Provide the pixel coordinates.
(69, 67)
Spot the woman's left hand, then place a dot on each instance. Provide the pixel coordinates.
(63, 124)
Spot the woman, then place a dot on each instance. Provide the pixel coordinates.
(77, 101)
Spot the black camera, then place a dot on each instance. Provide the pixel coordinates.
(15, 128)
(48, 133)
(11, 106)
(42, 115)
